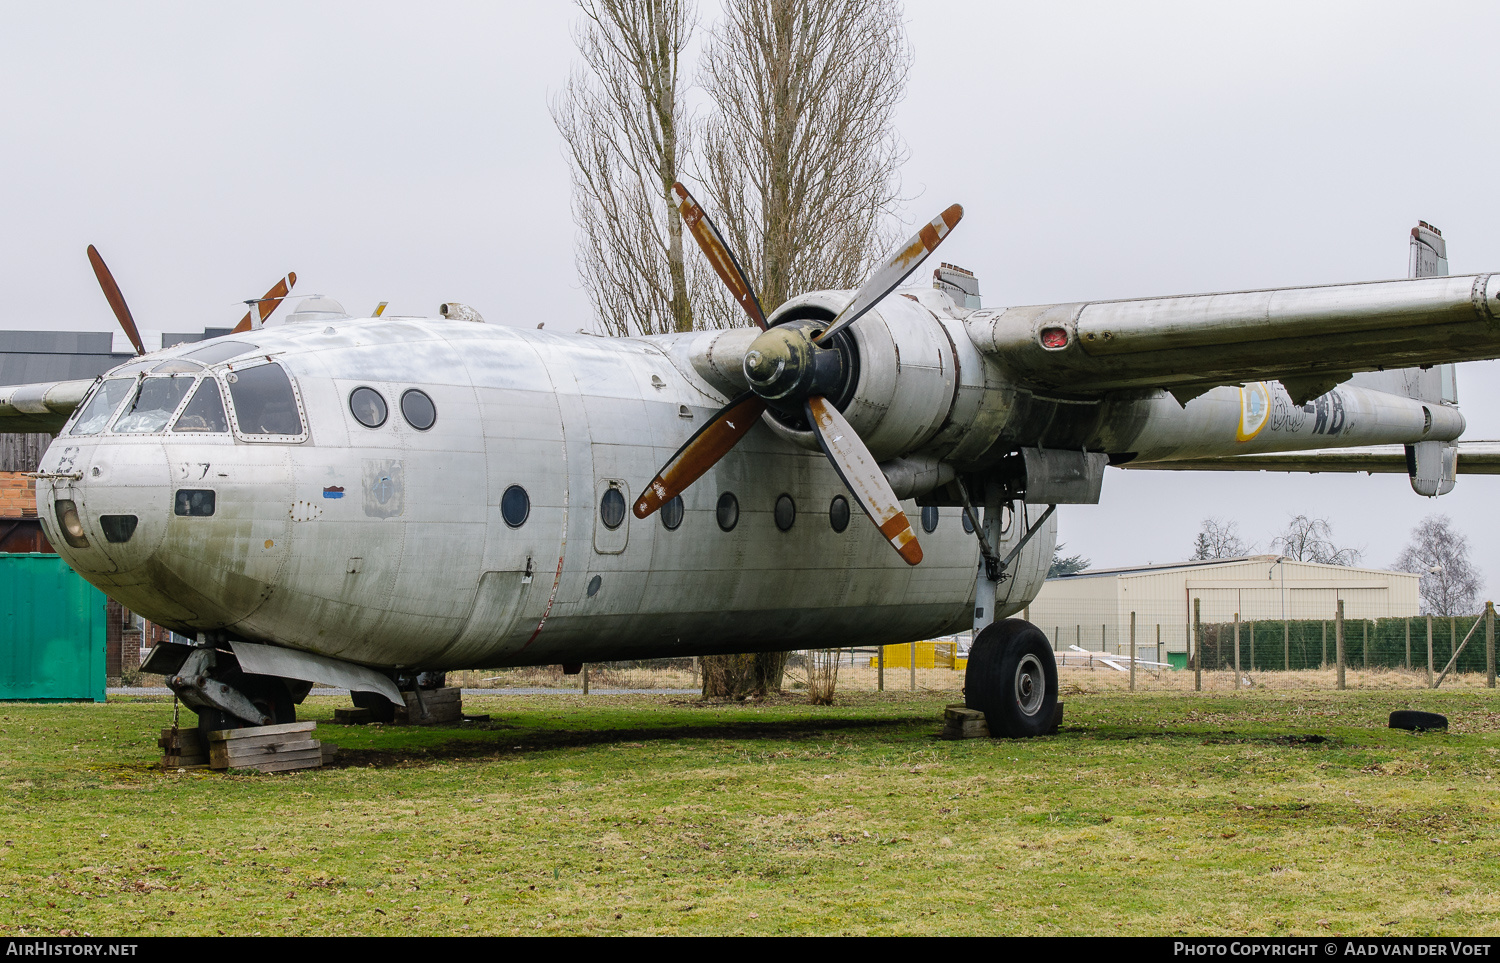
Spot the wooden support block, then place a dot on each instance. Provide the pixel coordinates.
(353, 717)
(266, 748)
(434, 706)
(961, 722)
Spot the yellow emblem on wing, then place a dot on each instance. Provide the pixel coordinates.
(1255, 410)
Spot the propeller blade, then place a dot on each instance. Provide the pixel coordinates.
(896, 269)
(866, 482)
(116, 300)
(701, 452)
(719, 255)
(269, 303)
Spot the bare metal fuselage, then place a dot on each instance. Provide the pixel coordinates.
(387, 546)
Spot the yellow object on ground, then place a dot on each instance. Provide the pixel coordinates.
(930, 655)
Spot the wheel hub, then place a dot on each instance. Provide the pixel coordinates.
(1031, 684)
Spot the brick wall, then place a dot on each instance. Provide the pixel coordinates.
(17, 495)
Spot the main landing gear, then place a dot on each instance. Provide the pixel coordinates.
(1012, 679)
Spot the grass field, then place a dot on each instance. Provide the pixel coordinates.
(1276, 811)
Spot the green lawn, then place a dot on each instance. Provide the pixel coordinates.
(1268, 813)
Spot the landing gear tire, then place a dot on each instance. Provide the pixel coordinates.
(381, 708)
(1012, 679)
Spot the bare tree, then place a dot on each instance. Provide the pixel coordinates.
(1218, 539)
(1311, 540)
(1440, 554)
(622, 118)
(800, 158)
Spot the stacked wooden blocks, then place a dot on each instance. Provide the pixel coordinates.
(427, 707)
(961, 722)
(266, 748)
(182, 749)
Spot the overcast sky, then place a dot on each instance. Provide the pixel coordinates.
(404, 152)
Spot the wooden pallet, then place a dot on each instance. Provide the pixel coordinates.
(266, 748)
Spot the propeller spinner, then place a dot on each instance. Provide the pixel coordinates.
(793, 368)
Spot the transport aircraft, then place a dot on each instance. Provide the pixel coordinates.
(368, 502)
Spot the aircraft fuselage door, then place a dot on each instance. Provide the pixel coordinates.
(611, 516)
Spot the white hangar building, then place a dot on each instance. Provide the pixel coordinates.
(1092, 609)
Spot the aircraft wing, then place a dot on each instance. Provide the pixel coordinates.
(1474, 458)
(40, 407)
(1308, 338)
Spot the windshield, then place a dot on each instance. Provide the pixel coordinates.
(154, 403)
(205, 412)
(96, 413)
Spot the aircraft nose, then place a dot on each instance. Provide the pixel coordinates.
(110, 515)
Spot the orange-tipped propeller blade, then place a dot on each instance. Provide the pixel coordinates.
(896, 269)
(268, 303)
(708, 444)
(866, 482)
(116, 300)
(719, 255)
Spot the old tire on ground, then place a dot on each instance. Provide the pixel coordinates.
(381, 708)
(1417, 721)
(1012, 679)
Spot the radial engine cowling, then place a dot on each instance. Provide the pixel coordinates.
(899, 375)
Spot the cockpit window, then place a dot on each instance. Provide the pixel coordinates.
(218, 351)
(264, 403)
(205, 412)
(96, 413)
(154, 404)
(177, 366)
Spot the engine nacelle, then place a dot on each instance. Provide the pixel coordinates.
(900, 377)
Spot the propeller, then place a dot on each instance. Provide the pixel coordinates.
(117, 303)
(116, 300)
(268, 303)
(790, 368)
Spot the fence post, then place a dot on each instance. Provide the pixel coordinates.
(1489, 644)
(1429, 651)
(1197, 645)
(1236, 651)
(1286, 645)
(585, 678)
(1252, 646)
(1338, 641)
(1160, 656)
(1324, 626)
(1104, 638)
(1132, 652)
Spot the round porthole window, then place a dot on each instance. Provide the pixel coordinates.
(968, 525)
(368, 407)
(786, 513)
(612, 509)
(929, 519)
(418, 410)
(671, 514)
(728, 511)
(838, 513)
(594, 584)
(515, 506)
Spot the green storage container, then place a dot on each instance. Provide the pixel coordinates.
(1177, 660)
(51, 631)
